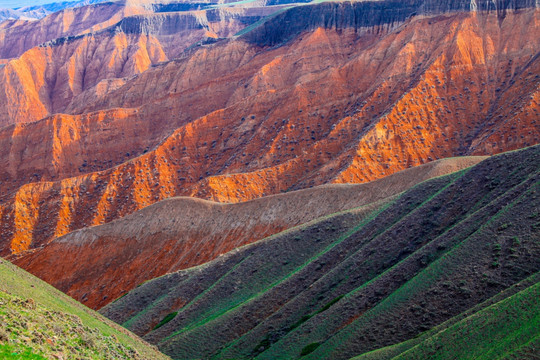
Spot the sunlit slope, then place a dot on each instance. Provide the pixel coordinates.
(42, 320)
(236, 120)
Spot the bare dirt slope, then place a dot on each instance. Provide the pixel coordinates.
(95, 265)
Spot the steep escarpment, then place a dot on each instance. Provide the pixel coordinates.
(103, 124)
(180, 30)
(329, 107)
(369, 15)
(172, 23)
(101, 263)
(21, 36)
(342, 287)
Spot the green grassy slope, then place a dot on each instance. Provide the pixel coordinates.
(498, 329)
(346, 286)
(37, 321)
(509, 329)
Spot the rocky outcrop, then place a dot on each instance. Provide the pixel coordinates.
(224, 21)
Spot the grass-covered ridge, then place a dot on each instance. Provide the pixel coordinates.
(28, 328)
(448, 253)
(503, 327)
(39, 322)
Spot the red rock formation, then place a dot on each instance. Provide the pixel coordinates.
(45, 79)
(50, 78)
(101, 263)
(18, 36)
(235, 122)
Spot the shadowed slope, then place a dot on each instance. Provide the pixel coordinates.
(441, 248)
(500, 328)
(97, 264)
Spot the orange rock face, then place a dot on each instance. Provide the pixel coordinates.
(235, 121)
(101, 263)
(44, 80)
(120, 42)
(16, 37)
(311, 112)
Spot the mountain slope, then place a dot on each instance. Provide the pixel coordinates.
(45, 79)
(438, 250)
(19, 36)
(98, 264)
(499, 328)
(40, 319)
(235, 121)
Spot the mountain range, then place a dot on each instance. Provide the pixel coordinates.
(275, 178)
(39, 11)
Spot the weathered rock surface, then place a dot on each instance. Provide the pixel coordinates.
(48, 78)
(233, 121)
(101, 263)
(335, 99)
(16, 37)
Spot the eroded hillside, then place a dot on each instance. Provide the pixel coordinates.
(237, 120)
(347, 285)
(96, 265)
(262, 148)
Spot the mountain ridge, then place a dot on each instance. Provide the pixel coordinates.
(361, 291)
(309, 134)
(190, 231)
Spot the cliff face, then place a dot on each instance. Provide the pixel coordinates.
(36, 12)
(234, 122)
(370, 14)
(21, 36)
(232, 20)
